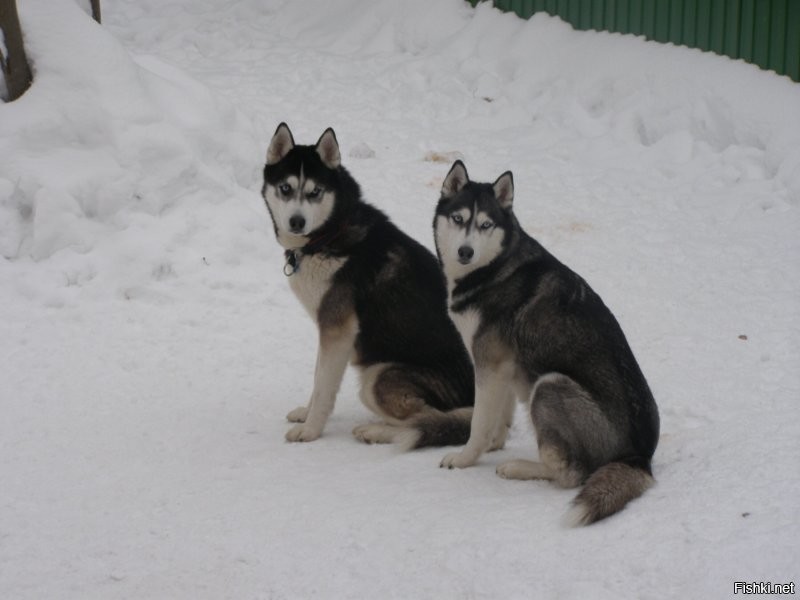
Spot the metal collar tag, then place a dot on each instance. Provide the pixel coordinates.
(292, 263)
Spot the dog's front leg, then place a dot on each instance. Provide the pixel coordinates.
(335, 349)
(491, 397)
(299, 414)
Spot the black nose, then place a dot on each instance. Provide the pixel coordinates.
(296, 223)
(465, 254)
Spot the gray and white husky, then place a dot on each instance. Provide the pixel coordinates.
(537, 331)
(377, 296)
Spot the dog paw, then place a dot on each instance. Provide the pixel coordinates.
(375, 433)
(302, 433)
(298, 415)
(507, 470)
(457, 460)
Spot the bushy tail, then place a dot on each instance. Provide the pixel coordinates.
(609, 489)
(437, 429)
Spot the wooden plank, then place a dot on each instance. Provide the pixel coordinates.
(703, 25)
(676, 21)
(746, 29)
(525, 9)
(649, 19)
(586, 14)
(609, 15)
(776, 60)
(661, 33)
(761, 33)
(733, 29)
(574, 13)
(792, 62)
(717, 24)
(635, 24)
(598, 13)
(688, 35)
(622, 15)
(562, 10)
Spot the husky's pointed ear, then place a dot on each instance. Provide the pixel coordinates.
(282, 142)
(328, 149)
(504, 189)
(456, 179)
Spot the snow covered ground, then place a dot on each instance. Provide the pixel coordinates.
(150, 347)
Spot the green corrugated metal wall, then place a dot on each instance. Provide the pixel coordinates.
(764, 32)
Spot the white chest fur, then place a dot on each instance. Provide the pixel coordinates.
(313, 279)
(467, 324)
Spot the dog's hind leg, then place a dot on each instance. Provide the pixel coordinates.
(335, 349)
(553, 466)
(391, 392)
(573, 434)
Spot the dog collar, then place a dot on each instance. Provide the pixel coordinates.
(292, 264)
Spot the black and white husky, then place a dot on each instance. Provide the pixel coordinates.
(378, 299)
(537, 331)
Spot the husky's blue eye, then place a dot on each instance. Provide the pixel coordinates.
(284, 188)
(457, 218)
(314, 193)
(486, 225)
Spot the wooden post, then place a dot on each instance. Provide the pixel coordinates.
(96, 10)
(16, 70)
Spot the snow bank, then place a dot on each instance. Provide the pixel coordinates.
(101, 138)
(150, 347)
(107, 136)
(674, 101)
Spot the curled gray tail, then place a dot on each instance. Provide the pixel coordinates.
(609, 489)
(437, 428)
